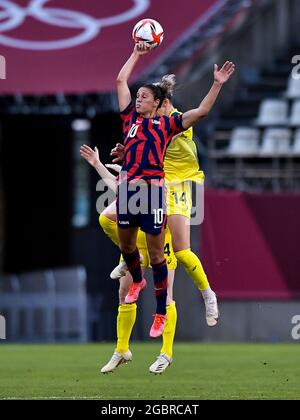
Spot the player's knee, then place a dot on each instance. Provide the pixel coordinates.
(180, 244)
(182, 255)
(106, 217)
(103, 221)
(156, 258)
(127, 248)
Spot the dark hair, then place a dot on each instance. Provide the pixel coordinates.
(158, 92)
(163, 89)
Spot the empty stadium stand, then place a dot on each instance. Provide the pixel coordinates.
(256, 142)
(48, 305)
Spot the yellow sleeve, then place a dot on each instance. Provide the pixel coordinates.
(187, 134)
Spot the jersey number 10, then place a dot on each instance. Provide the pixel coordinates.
(158, 216)
(133, 131)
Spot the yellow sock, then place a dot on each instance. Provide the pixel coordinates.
(125, 322)
(169, 331)
(110, 228)
(193, 267)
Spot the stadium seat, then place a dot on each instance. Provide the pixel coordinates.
(9, 284)
(295, 114)
(243, 141)
(293, 88)
(70, 303)
(276, 141)
(9, 299)
(296, 145)
(37, 300)
(36, 281)
(69, 279)
(49, 305)
(272, 112)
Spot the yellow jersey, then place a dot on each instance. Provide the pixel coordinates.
(181, 160)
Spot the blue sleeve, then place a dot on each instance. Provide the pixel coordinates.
(176, 123)
(127, 111)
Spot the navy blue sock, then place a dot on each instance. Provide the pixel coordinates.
(134, 265)
(160, 276)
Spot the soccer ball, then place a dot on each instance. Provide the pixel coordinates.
(149, 31)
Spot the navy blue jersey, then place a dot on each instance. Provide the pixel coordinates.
(146, 141)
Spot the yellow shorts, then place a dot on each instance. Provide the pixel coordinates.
(169, 252)
(179, 199)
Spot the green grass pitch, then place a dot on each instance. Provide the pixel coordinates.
(199, 371)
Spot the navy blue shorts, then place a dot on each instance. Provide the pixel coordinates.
(141, 206)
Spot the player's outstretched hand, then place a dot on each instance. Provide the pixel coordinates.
(224, 73)
(142, 48)
(119, 152)
(90, 155)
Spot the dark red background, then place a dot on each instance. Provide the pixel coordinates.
(250, 244)
(92, 66)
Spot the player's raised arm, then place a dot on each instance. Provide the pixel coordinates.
(124, 96)
(221, 76)
(92, 157)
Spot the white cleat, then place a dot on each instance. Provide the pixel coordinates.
(160, 364)
(212, 310)
(116, 360)
(121, 269)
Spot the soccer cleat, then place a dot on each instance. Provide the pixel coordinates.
(212, 310)
(121, 269)
(134, 291)
(116, 360)
(158, 325)
(160, 365)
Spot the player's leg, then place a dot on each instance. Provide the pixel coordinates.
(155, 244)
(131, 255)
(180, 230)
(126, 315)
(127, 312)
(125, 321)
(121, 269)
(153, 223)
(169, 331)
(179, 204)
(165, 357)
(107, 220)
(166, 353)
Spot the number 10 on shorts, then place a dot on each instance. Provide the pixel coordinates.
(158, 216)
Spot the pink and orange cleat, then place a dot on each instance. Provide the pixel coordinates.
(134, 291)
(158, 325)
